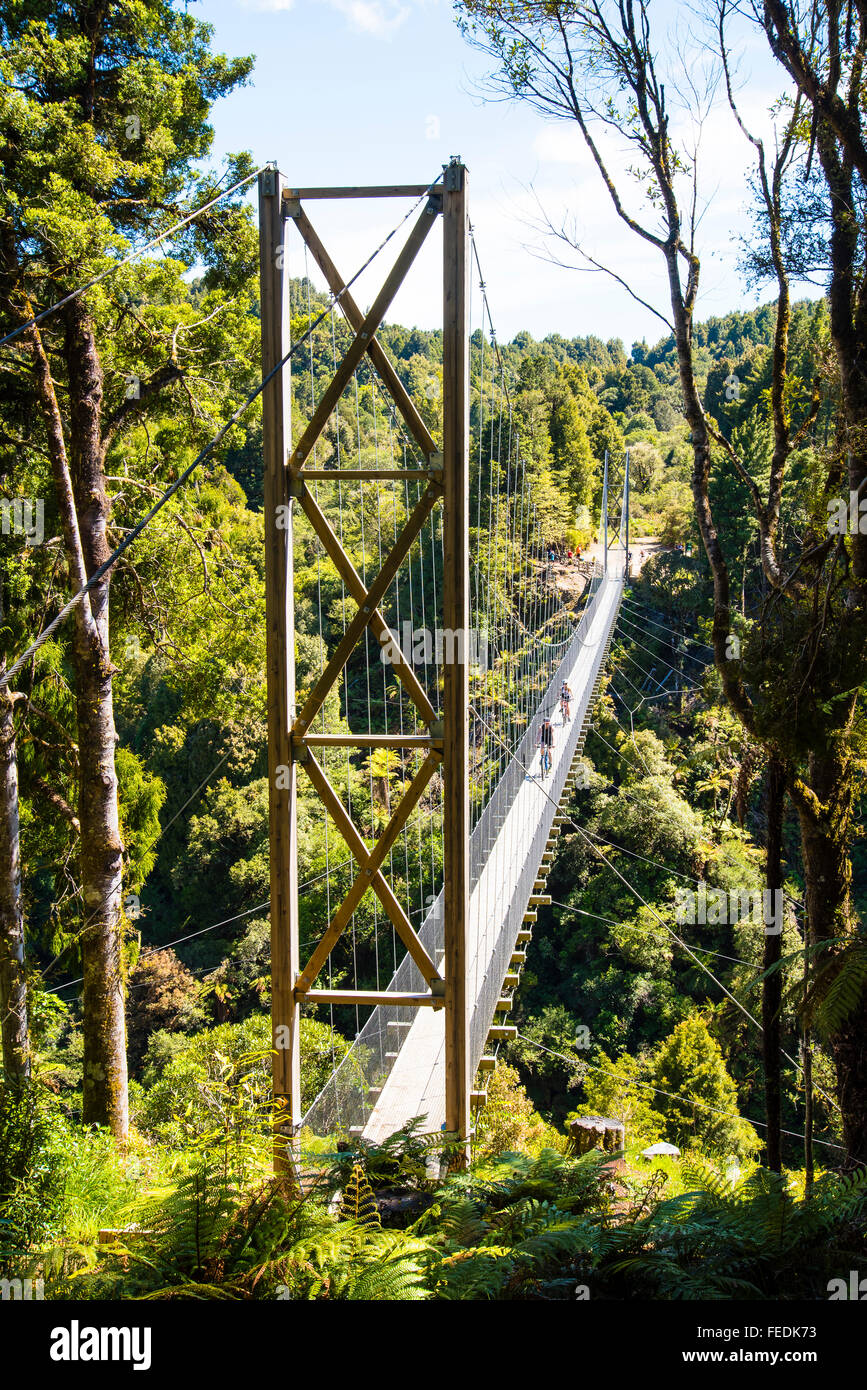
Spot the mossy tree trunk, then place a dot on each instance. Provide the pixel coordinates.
(772, 984)
(79, 485)
(825, 814)
(13, 984)
(101, 854)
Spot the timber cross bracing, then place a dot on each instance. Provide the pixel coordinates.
(291, 744)
(409, 1060)
(368, 615)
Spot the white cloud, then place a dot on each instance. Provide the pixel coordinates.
(378, 18)
(267, 6)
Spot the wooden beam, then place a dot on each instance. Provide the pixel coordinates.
(353, 581)
(355, 318)
(456, 615)
(375, 859)
(385, 190)
(373, 996)
(280, 668)
(341, 378)
(367, 607)
(363, 475)
(377, 882)
(366, 741)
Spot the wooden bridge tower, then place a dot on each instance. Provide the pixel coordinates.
(291, 743)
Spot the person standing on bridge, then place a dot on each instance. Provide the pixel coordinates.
(545, 746)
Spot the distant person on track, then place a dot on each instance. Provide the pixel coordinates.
(565, 701)
(545, 746)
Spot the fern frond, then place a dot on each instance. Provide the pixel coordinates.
(837, 989)
(358, 1203)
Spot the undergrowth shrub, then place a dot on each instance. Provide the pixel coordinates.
(32, 1167)
(509, 1123)
(183, 1075)
(211, 1239)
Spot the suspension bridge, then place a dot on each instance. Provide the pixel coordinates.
(511, 848)
(411, 589)
(443, 634)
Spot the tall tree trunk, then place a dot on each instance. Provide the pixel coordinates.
(82, 504)
(825, 816)
(772, 985)
(105, 1097)
(13, 985)
(847, 312)
(824, 800)
(807, 1056)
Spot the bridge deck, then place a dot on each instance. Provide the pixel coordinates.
(416, 1083)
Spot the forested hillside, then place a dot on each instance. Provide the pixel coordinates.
(190, 700)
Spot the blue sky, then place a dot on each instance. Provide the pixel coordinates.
(383, 91)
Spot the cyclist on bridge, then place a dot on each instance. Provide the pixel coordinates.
(545, 746)
(565, 701)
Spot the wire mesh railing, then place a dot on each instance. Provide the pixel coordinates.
(505, 850)
(514, 860)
